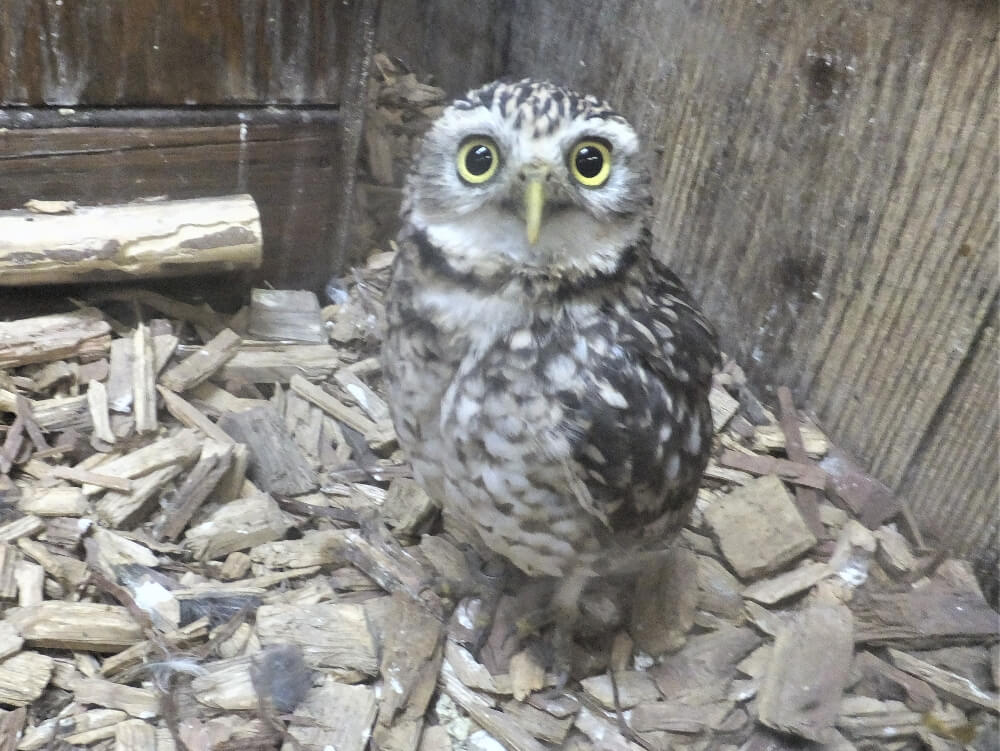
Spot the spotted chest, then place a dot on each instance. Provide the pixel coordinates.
(566, 430)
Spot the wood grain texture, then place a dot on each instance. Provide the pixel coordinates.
(288, 169)
(172, 52)
(826, 178)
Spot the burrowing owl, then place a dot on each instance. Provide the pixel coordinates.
(548, 375)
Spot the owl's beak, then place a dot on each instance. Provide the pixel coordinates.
(534, 175)
(534, 203)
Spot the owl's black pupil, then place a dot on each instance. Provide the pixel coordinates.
(589, 161)
(478, 159)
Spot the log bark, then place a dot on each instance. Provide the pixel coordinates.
(128, 241)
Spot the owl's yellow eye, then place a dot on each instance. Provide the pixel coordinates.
(590, 163)
(478, 160)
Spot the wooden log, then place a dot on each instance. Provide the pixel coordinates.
(128, 241)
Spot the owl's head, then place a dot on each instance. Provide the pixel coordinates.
(529, 178)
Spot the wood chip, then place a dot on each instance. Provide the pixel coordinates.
(276, 464)
(198, 485)
(23, 677)
(333, 716)
(332, 635)
(796, 581)
(135, 735)
(758, 527)
(144, 381)
(951, 684)
(237, 525)
(137, 702)
(285, 315)
(277, 363)
(87, 626)
(58, 501)
(793, 472)
(203, 363)
(801, 690)
(59, 336)
(380, 436)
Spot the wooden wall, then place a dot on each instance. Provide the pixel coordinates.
(827, 176)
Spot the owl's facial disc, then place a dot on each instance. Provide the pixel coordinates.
(530, 179)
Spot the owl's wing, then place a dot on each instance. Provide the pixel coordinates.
(643, 422)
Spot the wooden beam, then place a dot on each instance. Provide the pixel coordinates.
(134, 240)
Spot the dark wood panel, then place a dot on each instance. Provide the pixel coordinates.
(457, 43)
(827, 184)
(173, 52)
(288, 169)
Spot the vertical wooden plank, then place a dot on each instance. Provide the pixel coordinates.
(826, 179)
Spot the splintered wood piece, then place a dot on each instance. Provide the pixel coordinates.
(373, 405)
(87, 626)
(701, 670)
(58, 413)
(42, 735)
(758, 527)
(894, 552)
(723, 407)
(200, 482)
(538, 723)
(137, 702)
(120, 375)
(496, 723)
(805, 498)
(192, 417)
(933, 615)
(130, 241)
(406, 506)
(331, 634)
(10, 640)
(85, 477)
(97, 401)
(719, 590)
(23, 677)
(771, 438)
(277, 363)
(864, 717)
(143, 381)
(634, 687)
(335, 716)
(135, 735)
(948, 682)
(58, 501)
(124, 509)
(794, 472)
(226, 684)
(799, 579)
(9, 558)
(30, 578)
(179, 449)
(276, 465)
(801, 690)
(202, 364)
(317, 547)
(527, 674)
(65, 569)
(286, 315)
(411, 655)
(665, 602)
(26, 526)
(378, 435)
(678, 716)
(80, 333)
(870, 500)
(237, 525)
(12, 728)
(919, 696)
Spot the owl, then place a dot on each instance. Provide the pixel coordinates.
(548, 376)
